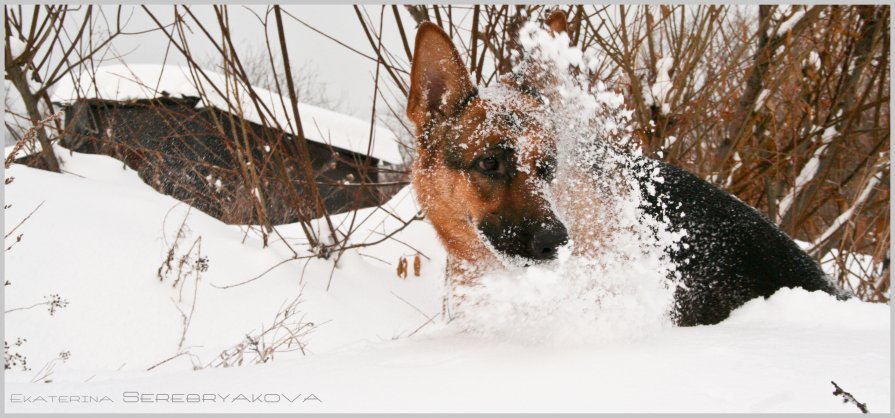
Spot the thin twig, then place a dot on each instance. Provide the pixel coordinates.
(848, 398)
(23, 220)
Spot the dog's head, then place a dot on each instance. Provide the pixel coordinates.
(484, 160)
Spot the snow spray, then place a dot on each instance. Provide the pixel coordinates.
(614, 280)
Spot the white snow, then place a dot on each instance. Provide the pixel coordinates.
(813, 60)
(807, 173)
(788, 24)
(663, 84)
(147, 81)
(571, 303)
(738, 163)
(847, 215)
(786, 17)
(669, 141)
(16, 46)
(762, 96)
(552, 48)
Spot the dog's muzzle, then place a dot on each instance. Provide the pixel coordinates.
(530, 239)
(546, 242)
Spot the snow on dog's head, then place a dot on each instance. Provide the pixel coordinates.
(614, 279)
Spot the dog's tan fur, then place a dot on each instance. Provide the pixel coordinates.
(454, 128)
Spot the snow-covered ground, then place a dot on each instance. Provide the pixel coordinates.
(101, 235)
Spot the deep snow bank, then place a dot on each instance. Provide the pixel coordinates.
(101, 235)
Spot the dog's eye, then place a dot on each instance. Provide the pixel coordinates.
(489, 165)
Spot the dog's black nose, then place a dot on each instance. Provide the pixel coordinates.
(545, 242)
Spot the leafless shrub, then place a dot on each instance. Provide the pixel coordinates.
(53, 302)
(44, 374)
(14, 359)
(27, 138)
(186, 263)
(267, 182)
(785, 107)
(30, 135)
(194, 265)
(44, 43)
(271, 180)
(183, 265)
(285, 334)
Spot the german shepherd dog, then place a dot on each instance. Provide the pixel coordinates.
(481, 195)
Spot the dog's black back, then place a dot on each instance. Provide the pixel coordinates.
(732, 253)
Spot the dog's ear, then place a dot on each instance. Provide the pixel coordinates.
(556, 22)
(439, 82)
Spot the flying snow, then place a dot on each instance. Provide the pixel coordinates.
(616, 282)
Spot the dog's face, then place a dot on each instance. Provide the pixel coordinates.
(484, 163)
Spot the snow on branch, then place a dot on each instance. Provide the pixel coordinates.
(663, 85)
(808, 172)
(843, 218)
(787, 16)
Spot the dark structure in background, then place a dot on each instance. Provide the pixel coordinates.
(196, 155)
